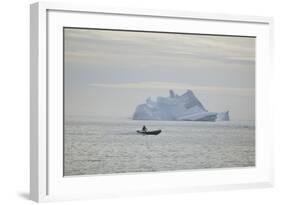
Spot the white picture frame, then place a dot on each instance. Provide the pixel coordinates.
(46, 178)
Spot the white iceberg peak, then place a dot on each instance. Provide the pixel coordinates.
(172, 94)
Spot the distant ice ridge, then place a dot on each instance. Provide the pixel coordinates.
(185, 107)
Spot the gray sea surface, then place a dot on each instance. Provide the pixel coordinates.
(100, 146)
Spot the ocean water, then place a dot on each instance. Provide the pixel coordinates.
(113, 146)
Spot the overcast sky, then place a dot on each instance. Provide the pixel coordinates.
(108, 73)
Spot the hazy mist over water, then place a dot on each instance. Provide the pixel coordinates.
(108, 73)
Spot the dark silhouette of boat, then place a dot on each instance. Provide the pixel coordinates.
(153, 132)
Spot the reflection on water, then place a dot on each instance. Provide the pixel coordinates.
(103, 146)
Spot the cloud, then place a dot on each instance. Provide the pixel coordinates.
(90, 46)
(178, 86)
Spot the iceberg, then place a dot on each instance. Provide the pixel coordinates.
(175, 107)
(223, 116)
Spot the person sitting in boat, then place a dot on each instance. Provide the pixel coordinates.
(144, 129)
